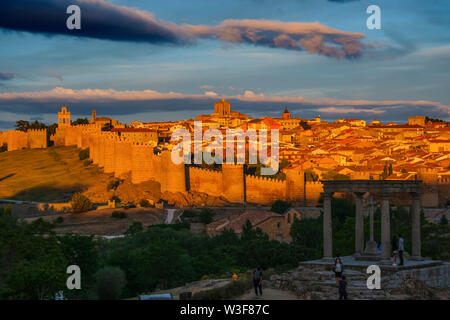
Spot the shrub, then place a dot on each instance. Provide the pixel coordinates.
(280, 206)
(189, 214)
(444, 220)
(110, 283)
(58, 220)
(80, 203)
(112, 184)
(145, 203)
(119, 214)
(83, 154)
(176, 226)
(87, 162)
(206, 215)
(8, 210)
(135, 227)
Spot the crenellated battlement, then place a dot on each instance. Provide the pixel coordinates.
(17, 140)
(264, 178)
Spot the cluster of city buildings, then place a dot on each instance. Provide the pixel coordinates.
(314, 149)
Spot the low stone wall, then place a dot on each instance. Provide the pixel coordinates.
(435, 277)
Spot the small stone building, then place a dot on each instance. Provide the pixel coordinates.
(276, 226)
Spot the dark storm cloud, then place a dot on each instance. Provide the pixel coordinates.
(128, 103)
(100, 20)
(104, 20)
(4, 76)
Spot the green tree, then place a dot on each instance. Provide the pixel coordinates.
(444, 220)
(305, 125)
(83, 154)
(206, 215)
(51, 129)
(82, 251)
(80, 203)
(145, 203)
(22, 125)
(80, 121)
(32, 264)
(37, 125)
(307, 233)
(110, 283)
(311, 175)
(280, 206)
(135, 227)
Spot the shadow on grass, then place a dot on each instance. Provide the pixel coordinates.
(48, 194)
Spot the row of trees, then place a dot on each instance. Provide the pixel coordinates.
(23, 125)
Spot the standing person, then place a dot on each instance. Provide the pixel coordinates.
(394, 250)
(257, 281)
(342, 289)
(338, 269)
(379, 247)
(401, 248)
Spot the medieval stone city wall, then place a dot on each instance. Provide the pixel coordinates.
(264, 190)
(17, 140)
(313, 189)
(205, 180)
(119, 155)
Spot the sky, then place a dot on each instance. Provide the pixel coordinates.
(170, 60)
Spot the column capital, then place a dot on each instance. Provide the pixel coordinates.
(327, 195)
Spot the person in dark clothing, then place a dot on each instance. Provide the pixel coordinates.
(338, 269)
(257, 280)
(394, 250)
(401, 248)
(342, 288)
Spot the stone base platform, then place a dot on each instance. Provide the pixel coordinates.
(351, 262)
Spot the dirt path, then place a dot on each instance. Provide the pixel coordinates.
(269, 294)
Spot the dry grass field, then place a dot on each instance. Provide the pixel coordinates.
(47, 175)
(100, 222)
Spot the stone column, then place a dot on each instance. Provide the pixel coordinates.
(415, 217)
(359, 224)
(327, 227)
(371, 246)
(385, 228)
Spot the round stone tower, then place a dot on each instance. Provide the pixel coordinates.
(173, 176)
(233, 182)
(295, 184)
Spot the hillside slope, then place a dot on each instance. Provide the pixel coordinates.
(47, 175)
(54, 174)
